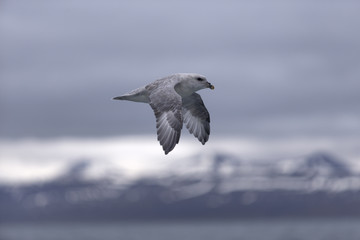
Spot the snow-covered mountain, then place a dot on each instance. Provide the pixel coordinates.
(225, 172)
(217, 183)
(228, 173)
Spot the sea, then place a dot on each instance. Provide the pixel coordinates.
(279, 229)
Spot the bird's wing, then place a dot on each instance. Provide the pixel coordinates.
(166, 103)
(196, 117)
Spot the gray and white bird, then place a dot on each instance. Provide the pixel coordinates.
(175, 102)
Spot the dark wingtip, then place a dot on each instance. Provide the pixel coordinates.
(166, 151)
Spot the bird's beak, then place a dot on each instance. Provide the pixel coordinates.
(211, 86)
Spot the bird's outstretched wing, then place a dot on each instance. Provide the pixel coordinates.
(196, 117)
(166, 103)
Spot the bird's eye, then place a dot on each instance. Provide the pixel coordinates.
(200, 79)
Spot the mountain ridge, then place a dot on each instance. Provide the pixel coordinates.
(227, 188)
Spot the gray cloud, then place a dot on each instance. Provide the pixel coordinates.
(278, 67)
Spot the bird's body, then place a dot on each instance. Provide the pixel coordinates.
(175, 102)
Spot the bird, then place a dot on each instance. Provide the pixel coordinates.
(175, 102)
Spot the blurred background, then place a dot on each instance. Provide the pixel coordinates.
(285, 120)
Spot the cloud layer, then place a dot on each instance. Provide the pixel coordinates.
(129, 157)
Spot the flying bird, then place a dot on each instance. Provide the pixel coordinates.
(175, 102)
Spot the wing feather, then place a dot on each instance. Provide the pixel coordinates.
(196, 117)
(166, 103)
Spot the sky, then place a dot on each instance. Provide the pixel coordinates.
(280, 68)
(286, 76)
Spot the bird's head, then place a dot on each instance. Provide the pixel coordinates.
(192, 82)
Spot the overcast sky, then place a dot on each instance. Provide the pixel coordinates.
(280, 68)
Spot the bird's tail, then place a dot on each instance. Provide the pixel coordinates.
(138, 95)
(124, 97)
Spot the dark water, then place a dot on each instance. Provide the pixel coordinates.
(312, 229)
